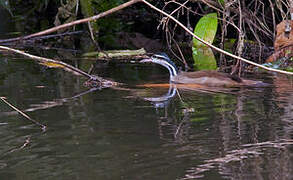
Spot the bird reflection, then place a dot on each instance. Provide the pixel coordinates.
(172, 127)
(163, 101)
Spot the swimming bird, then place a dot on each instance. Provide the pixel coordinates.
(204, 77)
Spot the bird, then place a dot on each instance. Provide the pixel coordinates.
(210, 78)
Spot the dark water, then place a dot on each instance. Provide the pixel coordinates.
(117, 133)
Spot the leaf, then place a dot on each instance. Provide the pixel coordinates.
(52, 65)
(5, 4)
(206, 29)
(204, 58)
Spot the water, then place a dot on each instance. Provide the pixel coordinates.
(127, 133)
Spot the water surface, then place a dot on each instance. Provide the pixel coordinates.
(135, 132)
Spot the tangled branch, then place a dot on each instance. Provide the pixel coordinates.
(250, 19)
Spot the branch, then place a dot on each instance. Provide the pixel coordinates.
(42, 59)
(214, 47)
(63, 26)
(43, 127)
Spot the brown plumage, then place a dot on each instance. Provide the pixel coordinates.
(212, 78)
(207, 78)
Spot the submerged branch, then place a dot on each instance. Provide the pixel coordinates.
(43, 127)
(49, 104)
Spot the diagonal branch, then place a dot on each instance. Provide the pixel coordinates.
(214, 47)
(43, 127)
(63, 26)
(42, 59)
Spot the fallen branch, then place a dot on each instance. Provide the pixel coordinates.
(43, 127)
(46, 60)
(63, 26)
(212, 46)
(129, 3)
(49, 104)
(117, 54)
(93, 80)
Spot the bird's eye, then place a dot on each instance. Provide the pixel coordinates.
(159, 57)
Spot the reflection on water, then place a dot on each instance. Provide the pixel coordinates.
(141, 133)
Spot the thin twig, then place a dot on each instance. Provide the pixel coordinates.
(25, 144)
(43, 127)
(214, 47)
(273, 17)
(129, 3)
(181, 6)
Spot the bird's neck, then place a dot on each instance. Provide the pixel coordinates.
(173, 71)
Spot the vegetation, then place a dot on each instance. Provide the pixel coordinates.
(222, 126)
(251, 25)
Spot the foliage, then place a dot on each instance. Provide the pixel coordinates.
(108, 25)
(103, 5)
(205, 29)
(6, 5)
(204, 59)
(87, 10)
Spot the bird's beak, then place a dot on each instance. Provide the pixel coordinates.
(146, 60)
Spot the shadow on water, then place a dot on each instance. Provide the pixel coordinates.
(137, 132)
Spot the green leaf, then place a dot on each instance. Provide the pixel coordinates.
(206, 29)
(204, 58)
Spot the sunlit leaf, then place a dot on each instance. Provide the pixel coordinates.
(52, 65)
(204, 58)
(206, 29)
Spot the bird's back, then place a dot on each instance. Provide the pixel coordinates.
(211, 78)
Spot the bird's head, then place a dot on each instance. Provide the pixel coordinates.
(163, 60)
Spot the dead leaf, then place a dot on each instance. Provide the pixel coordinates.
(283, 44)
(52, 65)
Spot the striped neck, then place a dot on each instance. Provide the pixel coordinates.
(165, 61)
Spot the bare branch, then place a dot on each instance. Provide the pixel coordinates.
(43, 127)
(63, 26)
(214, 47)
